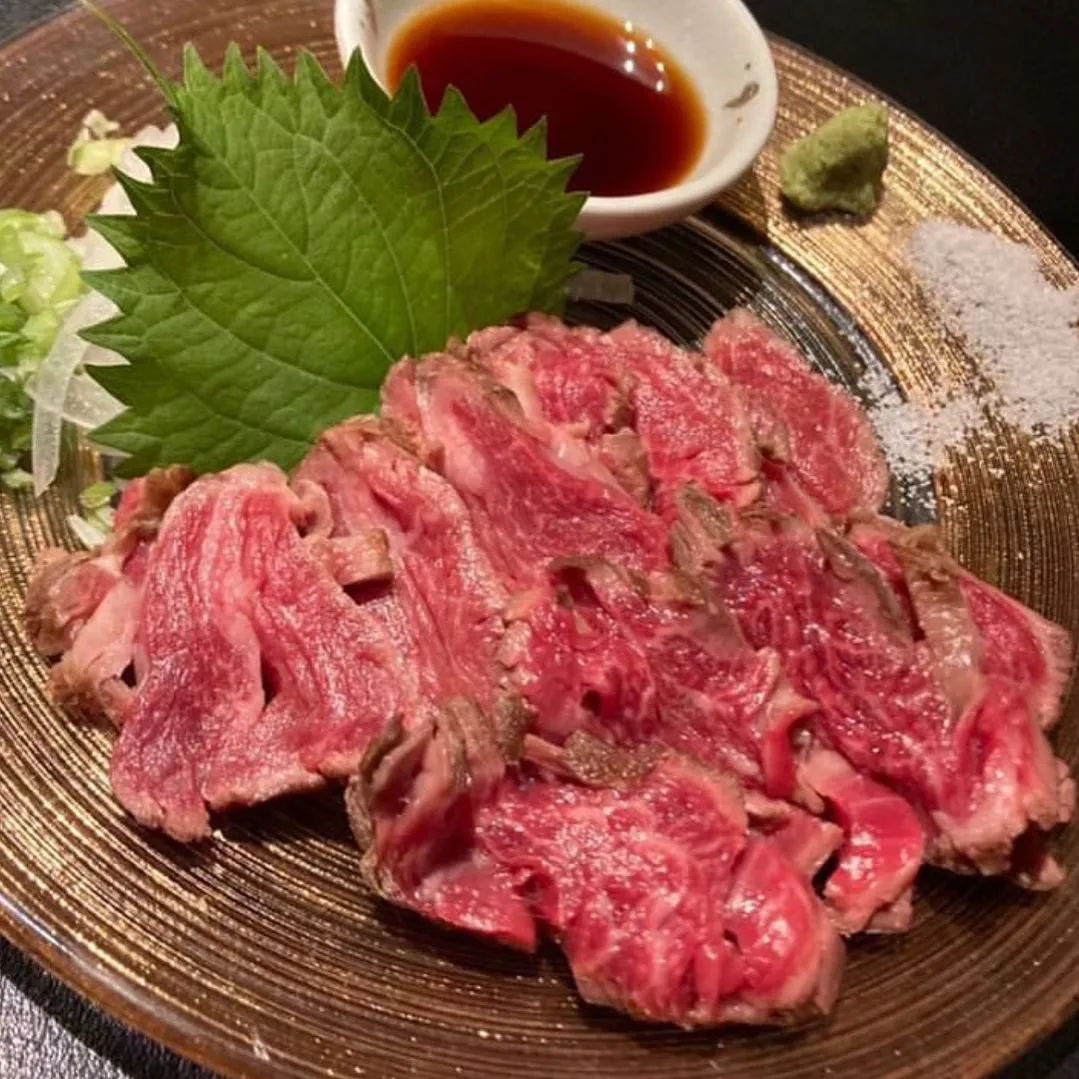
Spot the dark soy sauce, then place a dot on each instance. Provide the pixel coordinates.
(606, 88)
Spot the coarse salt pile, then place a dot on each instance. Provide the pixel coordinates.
(1023, 330)
(1019, 328)
(914, 435)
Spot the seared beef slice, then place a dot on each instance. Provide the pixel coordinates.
(85, 605)
(446, 603)
(808, 426)
(256, 675)
(644, 871)
(424, 796)
(534, 493)
(632, 386)
(613, 646)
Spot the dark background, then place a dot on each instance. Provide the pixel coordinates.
(998, 77)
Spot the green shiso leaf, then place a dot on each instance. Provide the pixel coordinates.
(303, 237)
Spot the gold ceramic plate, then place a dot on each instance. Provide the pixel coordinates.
(261, 954)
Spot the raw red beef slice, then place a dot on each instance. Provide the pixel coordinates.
(534, 493)
(568, 671)
(449, 601)
(883, 845)
(709, 695)
(916, 714)
(698, 688)
(257, 675)
(85, 605)
(642, 870)
(1002, 669)
(1015, 644)
(413, 806)
(690, 422)
(803, 421)
(677, 915)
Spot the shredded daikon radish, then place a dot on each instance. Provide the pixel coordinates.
(87, 404)
(50, 386)
(89, 536)
(60, 391)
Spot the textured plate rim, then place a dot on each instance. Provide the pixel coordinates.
(168, 1025)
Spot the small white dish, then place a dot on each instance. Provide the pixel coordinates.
(720, 47)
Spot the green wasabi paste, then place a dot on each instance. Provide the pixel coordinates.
(838, 166)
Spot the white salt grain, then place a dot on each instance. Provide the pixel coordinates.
(916, 435)
(992, 292)
(1020, 330)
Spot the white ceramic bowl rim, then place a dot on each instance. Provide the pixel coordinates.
(701, 185)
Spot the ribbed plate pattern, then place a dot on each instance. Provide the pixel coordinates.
(261, 954)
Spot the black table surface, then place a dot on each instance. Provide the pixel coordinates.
(998, 77)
